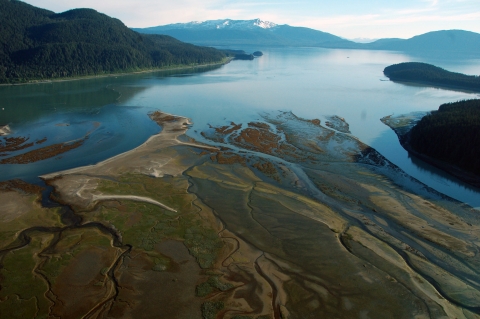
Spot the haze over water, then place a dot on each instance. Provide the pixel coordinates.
(310, 82)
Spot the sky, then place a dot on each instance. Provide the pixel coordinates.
(352, 19)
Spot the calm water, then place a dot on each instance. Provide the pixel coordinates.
(311, 82)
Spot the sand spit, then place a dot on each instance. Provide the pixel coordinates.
(140, 159)
(80, 185)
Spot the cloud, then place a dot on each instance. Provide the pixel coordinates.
(432, 3)
(348, 18)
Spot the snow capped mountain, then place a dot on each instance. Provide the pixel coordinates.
(234, 33)
(252, 32)
(221, 24)
(264, 24)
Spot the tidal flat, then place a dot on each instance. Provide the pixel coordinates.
(278, 218)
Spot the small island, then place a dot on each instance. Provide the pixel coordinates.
(257, 54)
(417, 72)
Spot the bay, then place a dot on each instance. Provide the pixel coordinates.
(310, 82)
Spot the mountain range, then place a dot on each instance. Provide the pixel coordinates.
(244, 32)
(258, 32)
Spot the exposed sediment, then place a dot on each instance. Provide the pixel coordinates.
(289, 219)
(43, 153)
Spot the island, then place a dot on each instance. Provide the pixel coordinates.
(423, 73)
(448, 138)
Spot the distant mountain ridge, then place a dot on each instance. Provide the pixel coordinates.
(443, 40)
(221, 24)
(260, 32)
(244, 32)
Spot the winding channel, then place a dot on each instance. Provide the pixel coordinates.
(72, 221)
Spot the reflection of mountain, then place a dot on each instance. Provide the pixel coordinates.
(24, 103)
(39, 44)
(258, 32)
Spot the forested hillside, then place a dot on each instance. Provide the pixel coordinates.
(451, 134)
(427, 73)
(39, 44)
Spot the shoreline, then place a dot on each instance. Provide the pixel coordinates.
(167, 136)
(403, 136)
(457, 172)
(436, 85)
(88, 77)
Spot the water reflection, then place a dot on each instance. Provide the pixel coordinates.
(440, 91)
(310, 82)
(424, 172)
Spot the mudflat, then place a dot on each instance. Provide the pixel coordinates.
(282, 218)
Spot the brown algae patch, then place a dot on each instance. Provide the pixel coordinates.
(43, 153)
(228, 158)
(12, 144)
(225, 130)
(258, 139)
